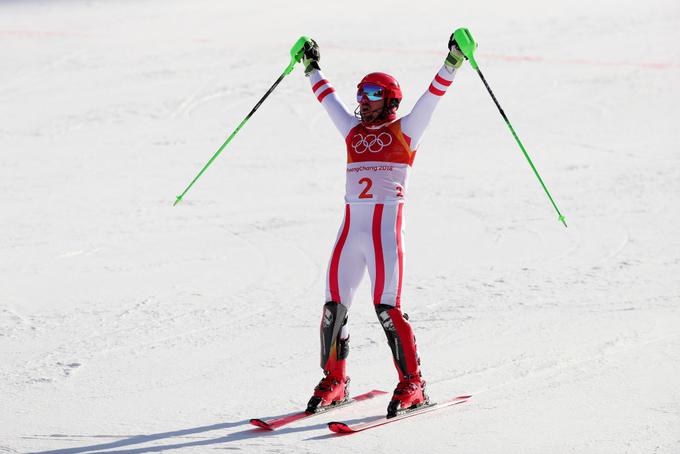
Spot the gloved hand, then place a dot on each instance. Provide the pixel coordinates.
(455, 57)
(310, 57)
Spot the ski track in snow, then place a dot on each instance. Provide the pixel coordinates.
(130, 326)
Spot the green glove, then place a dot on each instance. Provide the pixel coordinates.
(310, 57)
(455, 57)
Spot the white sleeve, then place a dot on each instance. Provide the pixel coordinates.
(343, 120)
(415, 123)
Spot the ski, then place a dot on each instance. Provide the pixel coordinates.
(344, 428)
(275, 423)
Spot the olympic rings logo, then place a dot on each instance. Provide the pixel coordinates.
(372, 142)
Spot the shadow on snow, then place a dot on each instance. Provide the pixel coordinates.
(141, 439)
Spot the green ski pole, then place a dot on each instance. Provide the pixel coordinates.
(295, 57)
(467, 46)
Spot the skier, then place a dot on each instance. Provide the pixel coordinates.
(380, 152)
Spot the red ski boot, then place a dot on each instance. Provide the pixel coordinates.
(409, 394)
(330, 391)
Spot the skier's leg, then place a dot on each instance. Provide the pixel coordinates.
(387, 273)
(334, 350)
(410, 391)
(347, 264)
(401, 340)
(345, 271)
(385, 257)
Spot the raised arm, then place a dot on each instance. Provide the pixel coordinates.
(415, 123)
(342, 118)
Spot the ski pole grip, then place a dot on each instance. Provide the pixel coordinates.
(467, 44)
(296, 53)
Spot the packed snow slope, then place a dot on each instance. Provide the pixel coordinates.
(129, 325)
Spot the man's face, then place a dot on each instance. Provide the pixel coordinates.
(370, 110)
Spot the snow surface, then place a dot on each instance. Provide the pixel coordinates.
(127, 325)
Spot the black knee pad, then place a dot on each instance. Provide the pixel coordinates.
(334, 317)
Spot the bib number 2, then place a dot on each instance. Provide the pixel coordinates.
(365, 194)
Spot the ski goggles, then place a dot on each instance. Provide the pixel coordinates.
(371, 91)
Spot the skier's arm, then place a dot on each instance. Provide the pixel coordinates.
(324, 91)
(415, 123)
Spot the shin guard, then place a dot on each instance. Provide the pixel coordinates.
(401, 340)
(334, 350)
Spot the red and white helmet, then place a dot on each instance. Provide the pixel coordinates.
(392, 92)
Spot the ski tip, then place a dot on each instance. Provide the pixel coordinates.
(261, 424)
(340, 428)
(377, 392)
(368, 395)
(464, 397)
